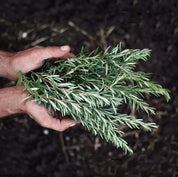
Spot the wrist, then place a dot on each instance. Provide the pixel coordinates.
(21, 99)
(12, 100)
(7, 66)
(4, 64)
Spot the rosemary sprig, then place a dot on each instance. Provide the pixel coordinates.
(90, 88)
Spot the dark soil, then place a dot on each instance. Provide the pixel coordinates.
(27, 149)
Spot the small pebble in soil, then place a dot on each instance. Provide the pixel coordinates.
(46, 131)
(67, 138)
(24, 35)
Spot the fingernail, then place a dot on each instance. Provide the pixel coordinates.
(65, 48)
(72, 124)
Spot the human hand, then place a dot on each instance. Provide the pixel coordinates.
(45, 118)
(26, 61)
(30, 59)
(12, 101)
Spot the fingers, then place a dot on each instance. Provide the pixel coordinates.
(69, 55)
(41, 54)
(61, 125)
(41, 115)
(57, 124)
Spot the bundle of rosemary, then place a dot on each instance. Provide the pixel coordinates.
(91, 88)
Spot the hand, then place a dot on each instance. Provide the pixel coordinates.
(41, 115)
(26, 61)
(30, 59)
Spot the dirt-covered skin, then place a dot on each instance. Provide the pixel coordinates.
(28, 149)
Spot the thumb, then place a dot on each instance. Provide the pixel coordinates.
(51, 52)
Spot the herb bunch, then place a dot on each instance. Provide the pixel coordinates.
(91, 88)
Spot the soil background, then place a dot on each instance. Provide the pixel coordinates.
(27, 149)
